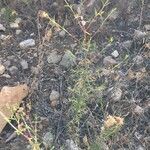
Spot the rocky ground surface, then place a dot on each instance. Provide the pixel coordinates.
(31, 53)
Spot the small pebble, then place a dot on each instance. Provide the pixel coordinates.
(7, 63)
(138, 110)
(70, 145)
(116, 94)
(127, 44)
(68, 60)
(138, 59)
(18, 32)
(2, 69)
(147, 27)
(24, 64)
(53, 57)
(14, 25)
(48, 139)
(3, 37)
(54, 95)
(6, 76)
(115, 54)
(13, 70)
(62, 34)
(139, 34)
(27, 43)
(109, 61)
(2, 28)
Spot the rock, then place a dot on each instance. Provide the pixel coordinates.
(3, 37)
(138, 59)
(6, 76)
(2, 69)
(116, 94)
(27, 43)
(54, 95)
(10, 98)
(109, 61)
(147, 27)
(138, 110)
(18, 20)
(48, 139)
(62, 34)
(14, 25)
(13, 70)
(127, 44)
(70, 145)
(139, 34)
(24, 64)
(68, 60)
(115, 54)
(7, 63)
(138, 135)
(18, 32)
(140, 148)
(2, 28)
(53, 57)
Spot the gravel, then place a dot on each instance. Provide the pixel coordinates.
(27, 43)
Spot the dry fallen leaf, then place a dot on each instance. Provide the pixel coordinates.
(113, 120)
(10, 98)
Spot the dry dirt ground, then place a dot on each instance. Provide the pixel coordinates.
(127, 32)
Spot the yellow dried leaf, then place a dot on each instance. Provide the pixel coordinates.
(113, 120)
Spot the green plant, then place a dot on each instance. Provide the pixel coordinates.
(26, 127)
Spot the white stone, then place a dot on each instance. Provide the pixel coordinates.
(54, 95)
(71, 145)
(53, 57)
(14, 25)
(115, 54)
(18, 32)
(2, 69)
(62, 33)
(138, 110)
(27, 43)
(116, 94)
(24, 64)
(139, 34)
(2, 28)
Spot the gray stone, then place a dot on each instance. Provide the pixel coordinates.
(138, 59)
(14, 25)
(140, 148)
(138, 110)
(68, 60)
(62, 34)
(13, 70)
(3, 37)
(27, 43)
(24, 64)
(2, 69)
(18, 32)
(70, 145)
(139, 34)
(54, 95)
(109, 61)
(48, 139)
(7, 63)
(53, 57)
(147, 27)
(116, 94)
(2, 28)
(127, 44)
(115, 54)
